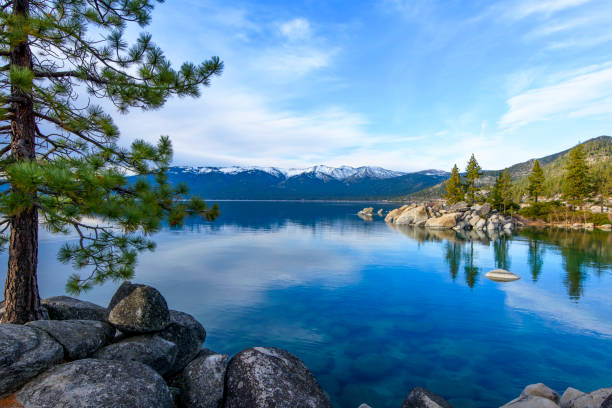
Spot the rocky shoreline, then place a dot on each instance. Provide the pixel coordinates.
(138, 353)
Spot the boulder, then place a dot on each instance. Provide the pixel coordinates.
(529, 401)
(461, 206)
(502, 275)
(188, 335)
(422, 398)
(380, 212)
(364, 406)
(25, 352)
(412, 216)
(484, 210)
(262, 377)
(148, 349)
(541, 390)
(67, 308)
(393, 214)
(79, 338)
(91, 383)
(605, 227)
(444, 222)
(509, 226)
(138, 309)
(367, 211)
(474, 220)
(201, 382)
(607, 402)
(592, 400)
(568, 396)
(480, 224)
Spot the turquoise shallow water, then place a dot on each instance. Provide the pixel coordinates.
(375, 311)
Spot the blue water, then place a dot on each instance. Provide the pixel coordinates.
(375, 311)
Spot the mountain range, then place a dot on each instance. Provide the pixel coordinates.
(312, 183)
(363, 183)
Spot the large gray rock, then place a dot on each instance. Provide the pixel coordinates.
(80, 338)
(607, 402)
(422, 398)
(67, 308)
(529, 401)
(263, 377)
(25, 352)
(541, 390)
(188, 335)
(393, 214)
(138, 308)
(568, 396)
(461, 206)
(484, 210)
(149, 349)
(94, 383)
(412, 216)
(445, 221)
(201, 382)
(592, 400)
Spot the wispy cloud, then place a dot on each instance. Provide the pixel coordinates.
(577, 95)
(296, 29)
(527, 8)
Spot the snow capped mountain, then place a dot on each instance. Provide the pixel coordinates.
(321, 172)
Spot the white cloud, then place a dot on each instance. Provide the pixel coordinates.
(289, 62)
(581, 93)
(296, 29)
(546, 7)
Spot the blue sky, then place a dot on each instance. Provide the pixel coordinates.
(406, 85)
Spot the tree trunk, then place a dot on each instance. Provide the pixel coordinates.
(22, 302)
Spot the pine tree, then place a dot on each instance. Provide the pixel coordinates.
(536, 181)
(454, 188)
(505, 190)
(495, 195)
(59, 152)
(602, 185)
(472, 174)
(576, 185)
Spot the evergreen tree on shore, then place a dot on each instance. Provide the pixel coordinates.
(59, 155)
(576, 186)
(536, 181)
(454, 188)
(500, 196)
(473, 173)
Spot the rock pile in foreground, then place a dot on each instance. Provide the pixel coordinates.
(138, 353)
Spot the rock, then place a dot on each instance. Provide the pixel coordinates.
(138, 309)
(484, 210)
(91, 383)
(67, 308)
(444, 222)
(393, 214)
(530, 401)
(480, 224)
(188, 335)
(202, 381)
(501, 275)
(509, 226)
(25, 352)
(568, 396)
(422, 398)
(262, 377)
(367, 211)
(605, 227)
(461, 206)
(600, 395)
(592, 400)
(412, 216)
(364, 406)
(607, 402)
(79, 338)
(541, 390)
(380, 212)
(148, 349)
(474, 220)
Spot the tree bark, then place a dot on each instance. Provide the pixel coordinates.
(22, 301)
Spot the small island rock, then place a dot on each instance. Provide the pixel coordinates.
(501, 275)
(138, 309)
(422, 398)
(91, 383)
(262, 377)
(25, 352)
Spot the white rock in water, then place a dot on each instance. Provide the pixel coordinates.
(501, 275)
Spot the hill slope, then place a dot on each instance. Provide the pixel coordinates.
(599, 157)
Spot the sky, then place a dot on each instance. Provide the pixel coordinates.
(402, 84)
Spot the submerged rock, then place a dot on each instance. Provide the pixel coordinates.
(149, 349)
(188, 335)
(201, 382)
(501, 275)
(25, 352)
(138, 309)
(67, 308)
(263, 377)
(422, 398)
(79, 338)
(94, 383)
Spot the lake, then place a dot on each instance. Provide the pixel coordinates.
(374, 310)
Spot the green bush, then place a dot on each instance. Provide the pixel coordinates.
(540, 210)
(599, 219)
